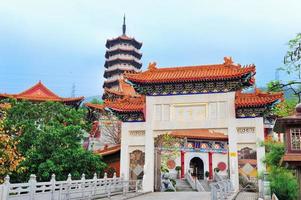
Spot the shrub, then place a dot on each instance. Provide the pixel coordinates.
(283, 183)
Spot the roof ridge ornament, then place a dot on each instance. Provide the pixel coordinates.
(228, 60)
(152, 66)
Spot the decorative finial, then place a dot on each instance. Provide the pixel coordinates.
(152, 66)
(228, 60)
(123, 26)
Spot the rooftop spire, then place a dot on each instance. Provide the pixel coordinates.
(123, 26)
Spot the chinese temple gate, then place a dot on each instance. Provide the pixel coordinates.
(217, 125)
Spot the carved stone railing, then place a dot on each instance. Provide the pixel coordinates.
(194, 183)
(190, 180)
(69, 189)
(221, 189)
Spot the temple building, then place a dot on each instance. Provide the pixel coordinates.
(218, 127)
(122, 55)
(39, 93)
(291, 128)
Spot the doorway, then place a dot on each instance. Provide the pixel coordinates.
(197, 168)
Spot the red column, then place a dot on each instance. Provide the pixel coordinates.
(210, 165)
(182, 163)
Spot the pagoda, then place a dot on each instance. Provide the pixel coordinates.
(122, 55)
(40, 93)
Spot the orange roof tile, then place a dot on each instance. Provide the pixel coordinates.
(258, 98)
(39, 92)
(95, 106)
(127, 104)
(227, 70)
(200, 134)
(108, 150)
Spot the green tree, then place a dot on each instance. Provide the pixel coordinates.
(282, 181)
(50, 137)
(292, 66)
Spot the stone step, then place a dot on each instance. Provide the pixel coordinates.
(183, 185)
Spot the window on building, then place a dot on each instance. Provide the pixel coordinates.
(296, 138)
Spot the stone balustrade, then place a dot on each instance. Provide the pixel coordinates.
(221, 189)
(69, 189)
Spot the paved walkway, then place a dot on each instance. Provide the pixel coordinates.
(247, 196)
(174, 196)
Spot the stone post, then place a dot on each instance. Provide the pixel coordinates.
(83, 178)
(68, 185)
(52, 181)
(94, 184)
(32, 185)
(5, 188)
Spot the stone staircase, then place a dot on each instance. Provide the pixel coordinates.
(205, 185)
(183, 185)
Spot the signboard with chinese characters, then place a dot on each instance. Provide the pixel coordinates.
(189, 112)
(246, 130)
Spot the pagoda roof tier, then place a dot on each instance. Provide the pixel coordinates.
(124, 89)
(120, 50)
(216, 72)
(123, 39)
(110, 73)
(256, 99)
(133, 62)
(39, 92)
(109, 84)
(204, 134)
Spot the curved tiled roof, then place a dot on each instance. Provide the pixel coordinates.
(127, 104)
(95, 106)
(39, 92)
(258, 98)
(108, 150)
(200, 134)
(215, 72)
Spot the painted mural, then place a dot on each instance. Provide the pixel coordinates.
(247, 161)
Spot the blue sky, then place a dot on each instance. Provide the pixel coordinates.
(62, 43)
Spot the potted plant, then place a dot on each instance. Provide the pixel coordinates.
(207, 175)
(178, 169)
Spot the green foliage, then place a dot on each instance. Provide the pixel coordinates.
(285, 108)
(292, 59)
(274, 153)
(283, 183)
(274, 86)
(50, 137)
(178, 168)
(96, 101)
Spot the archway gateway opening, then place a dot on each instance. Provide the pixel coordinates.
(196, 166)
